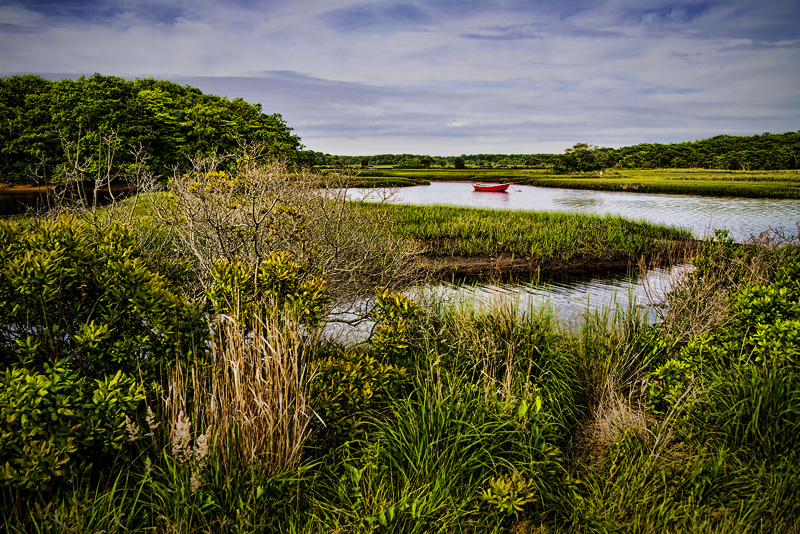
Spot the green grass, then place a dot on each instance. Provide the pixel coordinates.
(543, 236)
(706, 182)
(759, 184)
(500, 393)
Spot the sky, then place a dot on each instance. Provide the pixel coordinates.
(443, 77)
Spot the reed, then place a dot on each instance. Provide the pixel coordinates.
(253, 393)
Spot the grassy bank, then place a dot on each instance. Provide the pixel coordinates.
(757, 184)
(472, 242)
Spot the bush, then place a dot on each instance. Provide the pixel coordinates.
(56, 424)
(277, 283)
(742, 375)
(349, 387)
(392, 313)
(70, 290)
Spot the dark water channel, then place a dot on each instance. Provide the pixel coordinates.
(19, 201)
(573, 296)
(16, 203)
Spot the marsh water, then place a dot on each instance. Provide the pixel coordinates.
(572, 296)
(743, 217)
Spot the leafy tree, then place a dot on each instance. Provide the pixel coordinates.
(41, 122)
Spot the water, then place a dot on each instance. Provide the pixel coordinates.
(12, 204)
(742, 217)
(574, 296)
(571, 297)
(15, 202)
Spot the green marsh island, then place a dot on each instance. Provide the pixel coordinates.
(167, 364)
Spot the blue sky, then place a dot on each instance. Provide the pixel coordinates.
(443, 77)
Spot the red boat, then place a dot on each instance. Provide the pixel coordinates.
(490, 187)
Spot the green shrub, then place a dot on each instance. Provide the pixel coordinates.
(392, 313)
(277, 283)
(69, 290)
(509, 493)
(349, 387)
(744, 373)
(57, 424)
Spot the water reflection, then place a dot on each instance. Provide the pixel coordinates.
(500, 197)
(570, 298)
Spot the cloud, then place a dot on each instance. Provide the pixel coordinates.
(444, 76)
(371, 16)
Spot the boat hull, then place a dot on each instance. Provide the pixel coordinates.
(490, 187)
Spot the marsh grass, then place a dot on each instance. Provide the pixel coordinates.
(253, 393)
(698, 298)
(543, 236)
(764, 184)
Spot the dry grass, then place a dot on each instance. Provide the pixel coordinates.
(695, 302)
(611, 418)
(253, 394)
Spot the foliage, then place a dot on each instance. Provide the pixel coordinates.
(57, 425)
(766, 152)
(237, 289)
(170, 122)
(69, 290)
(740, 375)
(252, 210)
(509, 494)
(350, 387)
(392, 314)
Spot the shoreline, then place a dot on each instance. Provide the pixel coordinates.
(506, 264)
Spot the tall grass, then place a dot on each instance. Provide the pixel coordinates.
(543, 236)
(255, 392)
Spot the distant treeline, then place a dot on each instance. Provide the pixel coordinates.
(759, 152)
(48, 127)
(413, 161)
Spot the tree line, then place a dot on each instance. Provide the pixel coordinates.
(758, 152)
(50, 128)
(416, 161)
(47, 126)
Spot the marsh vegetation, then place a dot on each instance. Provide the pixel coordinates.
(165, 371)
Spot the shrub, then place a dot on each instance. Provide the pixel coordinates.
(249, 210)
(392, 313)
(69, 290)
(57, 424)
(744, 372)
(349, 387)
(278, 283)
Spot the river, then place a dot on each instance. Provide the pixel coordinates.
(574, 296)
(742, 217)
